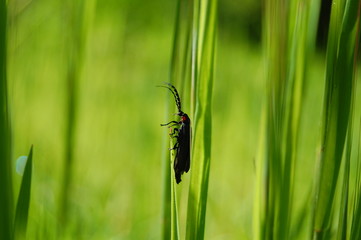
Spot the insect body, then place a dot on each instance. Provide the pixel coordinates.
(183, 137)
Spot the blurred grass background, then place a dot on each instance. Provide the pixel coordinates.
(117, 182)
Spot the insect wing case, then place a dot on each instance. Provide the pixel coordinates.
(182, 159)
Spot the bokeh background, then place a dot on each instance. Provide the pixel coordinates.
(116, 192)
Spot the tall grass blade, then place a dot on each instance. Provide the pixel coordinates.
(299, 224)
(276, 33)
(166, 222)
(343, 217)
(6, 193)
(287, 40)
(22, 207)
(203, 48)
(181, 52)
(355, 230)
(175, 221)
(79, 18)
(342, 39)
(179, 70)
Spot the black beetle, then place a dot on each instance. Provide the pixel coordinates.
(183, 137)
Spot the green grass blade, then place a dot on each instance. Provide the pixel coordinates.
(179, 70)
(180, 63)
(276, 193)
(175, 221)
(22, 207)
(6, 193)
(79, 19)
(288, 38)
(337, 108)
(204, 30)
(355, 230)
(343, 217)
(299, 224)
(166, 222)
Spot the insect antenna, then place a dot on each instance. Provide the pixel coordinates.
(175, 94)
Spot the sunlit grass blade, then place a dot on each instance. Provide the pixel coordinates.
(203, 48)
(181, 54)
(276, 43)
(175, 222)
(22, 207)
(6, 193)
(167, 204)
(340, 87)
(79, 19)
(300, 222)
(343, 215)
(288, 39)
(179, 70)
(355, 213)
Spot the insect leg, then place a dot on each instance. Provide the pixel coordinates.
(176, 146)
(173, 133)
(166, 124)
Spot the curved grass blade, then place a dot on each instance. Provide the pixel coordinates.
(22, 207)
(288, 37)
(179, 68)
(80, 17)
(355, 230)
(340, 87)
(204, 30)
(174, 209)
(6, 193)
(343, 217)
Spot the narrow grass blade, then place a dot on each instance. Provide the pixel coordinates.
(6, 193)
(301, 218)
(355, 223)
(181, 54)
(175, 221)
(179, 70)
(166, 222)
(80, 16)
(276, 40)
(339, 90)
(288, 38)
(343, 217)
(204, 30)
(22, 207)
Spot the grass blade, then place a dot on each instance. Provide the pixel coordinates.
(22, 207)
(166, 222)
(355, 230)
(204, 30)
(337, 108)
(288, 38)
(6, 193)
(175, 222)
(343, 217)
(179, 70)
(79, 20)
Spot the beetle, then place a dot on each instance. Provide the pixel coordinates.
(182, 136)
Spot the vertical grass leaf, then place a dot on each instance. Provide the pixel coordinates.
(355, 213)
(22, 207)
(337, 108)
(179, 70)
(203, 47)
(79, 18)
(6, 193)
(288, 38)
